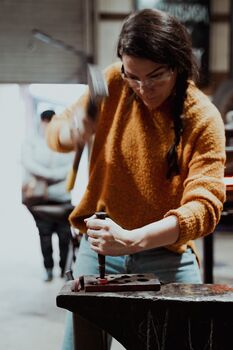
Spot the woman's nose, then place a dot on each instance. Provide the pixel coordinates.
(143, 88)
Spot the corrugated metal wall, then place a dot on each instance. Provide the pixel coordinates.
(26, 59)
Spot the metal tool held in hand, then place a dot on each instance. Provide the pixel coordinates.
(101, 258)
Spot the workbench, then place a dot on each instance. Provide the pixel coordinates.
(179, 316)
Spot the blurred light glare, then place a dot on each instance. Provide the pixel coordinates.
(64, 94)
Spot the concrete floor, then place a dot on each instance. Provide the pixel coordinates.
(29, 318)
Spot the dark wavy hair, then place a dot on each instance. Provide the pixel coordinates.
(160, 37)
(47, 115)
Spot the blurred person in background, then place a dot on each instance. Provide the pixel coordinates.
(45, 195)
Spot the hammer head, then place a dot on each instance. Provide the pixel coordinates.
(98, 89)
(97, 84)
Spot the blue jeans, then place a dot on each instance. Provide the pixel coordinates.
(166, 265)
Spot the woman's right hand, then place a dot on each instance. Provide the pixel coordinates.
(78, 131)
(82, 127)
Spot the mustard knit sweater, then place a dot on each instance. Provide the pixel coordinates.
(128, 163)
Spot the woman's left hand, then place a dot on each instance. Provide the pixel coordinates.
(108, 238)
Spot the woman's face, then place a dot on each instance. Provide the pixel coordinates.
(152, 82)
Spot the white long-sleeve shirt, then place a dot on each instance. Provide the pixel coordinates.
(39, 160)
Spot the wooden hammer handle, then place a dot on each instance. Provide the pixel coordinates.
(73, 171)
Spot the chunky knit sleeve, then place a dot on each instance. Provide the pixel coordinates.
(204, 190)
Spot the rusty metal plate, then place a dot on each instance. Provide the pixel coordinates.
(122, 282)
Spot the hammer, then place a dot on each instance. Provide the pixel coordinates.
(98, 90)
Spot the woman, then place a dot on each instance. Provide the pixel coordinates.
(157, 162)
